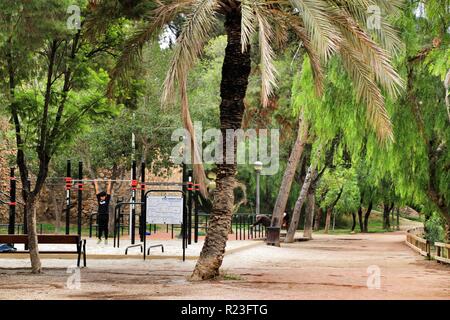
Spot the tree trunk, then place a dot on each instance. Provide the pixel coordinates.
(398, 218)
(235, 73)
(366, 217)
(289, 173)
(32, 234)
(311, 206)
(353, 221)
(328, 219)
(360, 219)
(299, 204)
(318, 219)
(309, 216)
(386, 215)
(330, 211)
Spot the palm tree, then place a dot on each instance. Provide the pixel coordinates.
(322, 27)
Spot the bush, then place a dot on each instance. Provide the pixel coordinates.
(434, 228)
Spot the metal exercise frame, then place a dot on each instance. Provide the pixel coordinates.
(117, 221)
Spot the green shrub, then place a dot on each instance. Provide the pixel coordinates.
(434, 228)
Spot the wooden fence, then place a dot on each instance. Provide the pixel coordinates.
(441, 251)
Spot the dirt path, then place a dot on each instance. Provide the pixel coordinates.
(330, 267)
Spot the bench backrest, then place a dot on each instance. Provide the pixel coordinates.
(42, 238)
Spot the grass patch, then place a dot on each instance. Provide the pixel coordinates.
(230, 277)
(375, 225)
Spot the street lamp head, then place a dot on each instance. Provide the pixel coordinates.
(212, 175)
(211, 186)
(258, 165)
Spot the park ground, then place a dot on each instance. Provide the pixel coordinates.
(329, 267)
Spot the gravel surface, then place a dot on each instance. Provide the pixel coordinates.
(329, 267)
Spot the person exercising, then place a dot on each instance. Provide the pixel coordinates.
(103, 199)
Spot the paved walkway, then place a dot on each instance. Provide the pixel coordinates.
(329, 267)
(173, 248)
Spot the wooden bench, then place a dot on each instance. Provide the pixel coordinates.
(49, 239)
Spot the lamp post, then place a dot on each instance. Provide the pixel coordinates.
(258, 167)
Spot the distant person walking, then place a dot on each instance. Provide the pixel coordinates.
(103, 199)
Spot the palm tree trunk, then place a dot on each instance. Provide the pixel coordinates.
(289, 173)
(299, 205)
(235, 73)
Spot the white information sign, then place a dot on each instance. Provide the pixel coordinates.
(164, 210)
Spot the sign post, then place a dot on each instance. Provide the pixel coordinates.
(165, 210)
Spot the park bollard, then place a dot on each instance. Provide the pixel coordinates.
(273, 236)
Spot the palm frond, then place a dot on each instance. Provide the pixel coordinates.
(247, 23)
(317, 22)
(377, 58)
(360, 10)
(367, 91)
(198, 169)
(100, 15)
(268, 70)
(295, 24)
(196, 30)
(132, 50)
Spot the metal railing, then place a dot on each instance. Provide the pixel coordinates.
(242, 227)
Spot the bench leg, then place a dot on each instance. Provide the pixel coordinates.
(79, 254)
(84, 252)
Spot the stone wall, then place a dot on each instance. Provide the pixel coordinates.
(6, 152)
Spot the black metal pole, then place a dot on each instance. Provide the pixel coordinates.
(80, 196)
(133, 199)
(196, 217)
(12, 202)
(68, 187)
(25, 210)
(143, 219)
(189, 212)
(183, 227)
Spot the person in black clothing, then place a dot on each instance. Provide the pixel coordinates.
(103, 199)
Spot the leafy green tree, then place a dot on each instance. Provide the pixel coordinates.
(52, 83)
(338, 191)
(423, 154)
